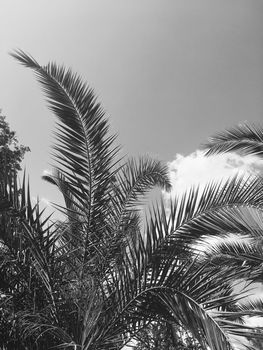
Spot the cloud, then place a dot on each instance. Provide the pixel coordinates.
(41, 201)
(198, 169)
(45, 201)
(47, 172)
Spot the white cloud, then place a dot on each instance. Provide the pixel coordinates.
(198, 169)
(45, 201)
(47, 172)
(41, 201)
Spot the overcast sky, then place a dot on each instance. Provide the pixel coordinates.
(168, 73)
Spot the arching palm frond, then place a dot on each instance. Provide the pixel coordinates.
(74, 205)
(133, 181)
(136, 178)
(201, 214)
(236, 249)
(247, 307)
(84, 147)
(244, 139)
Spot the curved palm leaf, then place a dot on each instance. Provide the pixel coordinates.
(237, 249)
(215, 211)
(84, 149)
(244, 138)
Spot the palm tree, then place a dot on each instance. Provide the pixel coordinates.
(98, 278)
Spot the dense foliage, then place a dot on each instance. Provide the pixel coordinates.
(11, 152)
(102, 277)
(164, 336)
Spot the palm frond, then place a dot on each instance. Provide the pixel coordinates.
(248, 307)
(84, 144)
(41, 330)
(84, 147)
(236, 249)
(212, 212)
(136, 178)
(133, 180)
(246, 139)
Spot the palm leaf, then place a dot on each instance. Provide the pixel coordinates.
(212, 212)
(84, 148)
(245, 139)
(235, 249)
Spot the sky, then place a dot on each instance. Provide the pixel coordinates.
(169, 73)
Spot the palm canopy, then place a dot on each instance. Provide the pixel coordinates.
(97, 279)
(244, 139)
